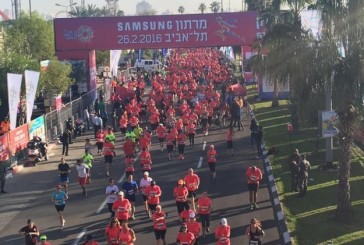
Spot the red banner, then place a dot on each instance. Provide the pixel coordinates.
(18, 139)
(159, 31)
(4, 147)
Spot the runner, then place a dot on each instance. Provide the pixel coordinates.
(100, 141)
(129, 166)
(153, 192)
(112, 232)
(204, 206)
(170, 144)
(82, 172)
(30, 232)
(192, 182)
(59, 198)
(181, 138)
(110, 135)
(222, 233)
(194, 227)
(122, 207)
(64, 170)
(211, 160)
(184, 237)
(123, 124)
(160, 227)
(43, 240)
(185, 214)
(128, 147)
(90, 240)
(145, 141)
(180, 193)
(111, 193)
(88, 145)
(254, 232)
(130, 188)
(144, 183)
(138, 134)
(229, 141)
(109, 153)
(161, 133)
(191, 130)
(253, 176)
(145, 160)
(126, 235)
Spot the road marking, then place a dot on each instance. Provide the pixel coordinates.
(207, 133)
(200, 162)
(204, 146)
(79, 237)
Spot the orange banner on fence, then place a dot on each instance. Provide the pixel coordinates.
(18, 139)
(4, 147)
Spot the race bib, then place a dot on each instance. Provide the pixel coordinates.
(131, 192)
(253, 243)
(121, 209)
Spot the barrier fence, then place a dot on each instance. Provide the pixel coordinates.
(49, 127)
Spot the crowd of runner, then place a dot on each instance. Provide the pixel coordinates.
(184, 100)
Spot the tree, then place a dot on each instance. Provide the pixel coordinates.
(33, 37)
(144, 8)
(104, 12)
(181, 9)
(215, 7)
(342, 22)
(202, 8)
(56, 77)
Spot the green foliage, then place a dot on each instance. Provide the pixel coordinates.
(215, 7)
(102, 58)
(202, 7)
(30, 37)
(181, 9)
(56, 77)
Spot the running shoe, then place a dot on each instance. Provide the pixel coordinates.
(255, 206)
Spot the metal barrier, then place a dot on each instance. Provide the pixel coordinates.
(55, 121)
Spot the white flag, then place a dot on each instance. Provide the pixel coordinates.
(31, 83)
(14, 86)
(114, 61)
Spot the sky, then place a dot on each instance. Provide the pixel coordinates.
(191, 6)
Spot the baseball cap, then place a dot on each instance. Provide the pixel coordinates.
(120, 193)
(152, 183)
(146, 173)
(223, 221)
(192, 215)
(43, 237)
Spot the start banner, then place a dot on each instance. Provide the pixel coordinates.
(158, 31)
(18, 139)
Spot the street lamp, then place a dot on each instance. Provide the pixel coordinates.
(66, 7)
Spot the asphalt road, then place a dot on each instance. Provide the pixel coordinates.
(30, 194)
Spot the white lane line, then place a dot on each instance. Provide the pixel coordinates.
(200, 162)
(79, 237)
(204, 145)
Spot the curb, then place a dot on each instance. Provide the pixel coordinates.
(272, 188)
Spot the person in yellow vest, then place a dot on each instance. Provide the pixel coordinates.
(5, 126)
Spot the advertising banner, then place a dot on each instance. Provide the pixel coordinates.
(4, 147)
(18, 139)
(93, 73)
(31, 83)
(14, 85)
(329, 122)
(158, 31)
(37, 128)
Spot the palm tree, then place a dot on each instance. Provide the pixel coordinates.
(202, 7)
(92, 10)
(78, 12)
(342, 22)
(181, 9)
(104, 12)
(120, 13)
(215, 7)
